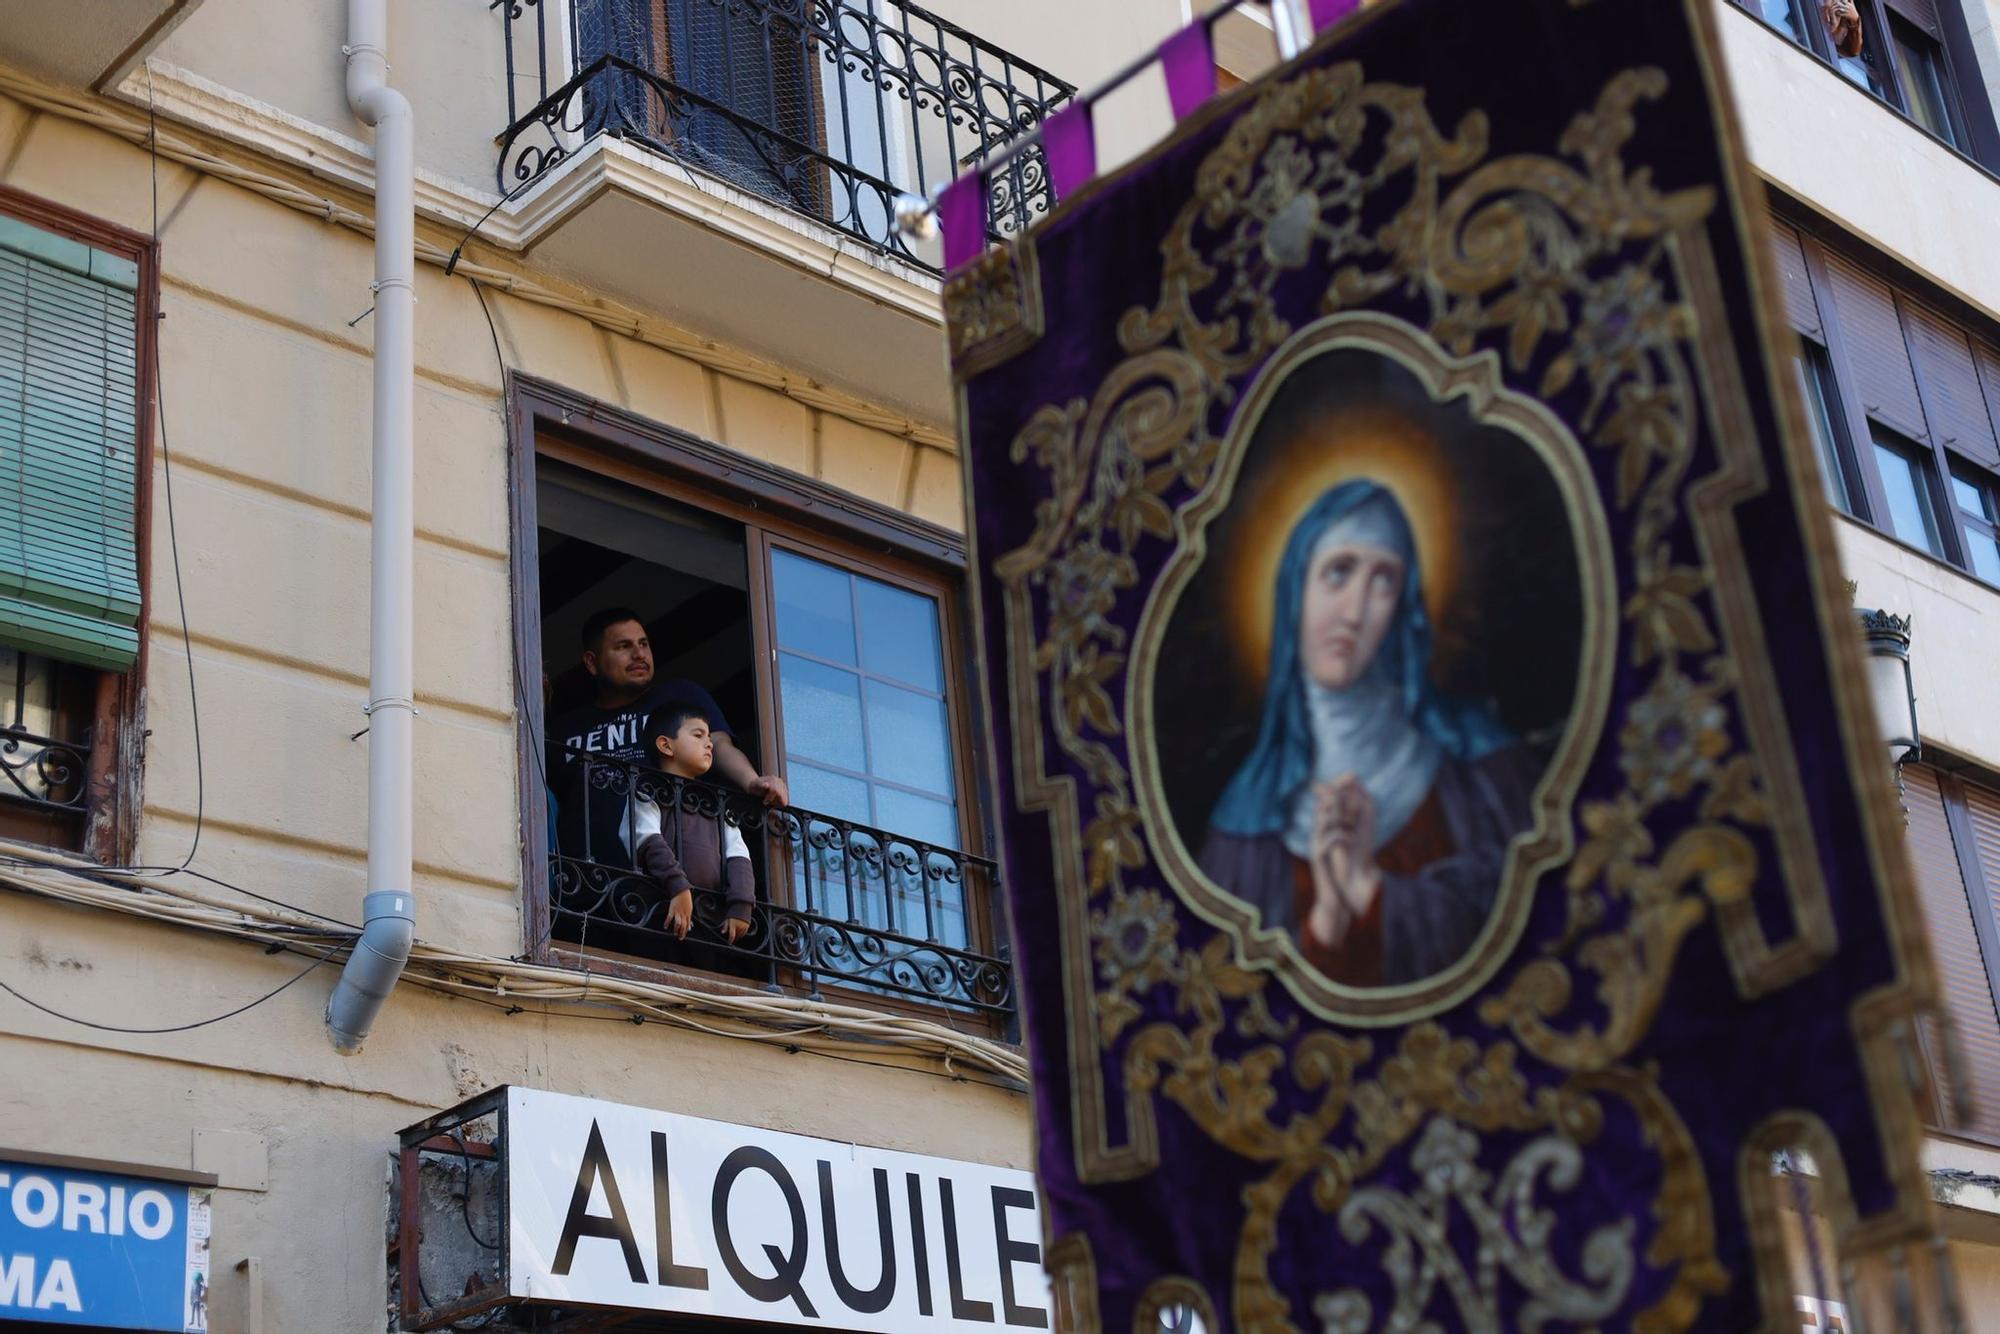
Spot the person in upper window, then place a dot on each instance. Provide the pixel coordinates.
(683, 852)
(619, 658)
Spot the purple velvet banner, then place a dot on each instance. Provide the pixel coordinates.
(1187, 60)
(1326, 13)
(961, 216)
(1070, 141)
(1393, 523)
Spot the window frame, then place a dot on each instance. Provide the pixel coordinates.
(1953, 777)
(1814, 366)
(110, 823)
(1894, 24)
(1939, 462)
(776, 507)
(1986, 524)
(1920, 459)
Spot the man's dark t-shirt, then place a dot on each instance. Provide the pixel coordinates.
(619, 733)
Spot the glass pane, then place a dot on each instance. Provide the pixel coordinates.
(1985, 554)
(830, 881)
(1917, 65)
(907, 739)
(1781, 15)
(822, 712)
(935, 822)
(1820, 421)
(1910, 516)
(815, 608)
(1857, 71)
(1973, 499)
(828, 793)
(899, 634)
(910, 877)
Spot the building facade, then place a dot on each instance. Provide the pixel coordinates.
(672, 354)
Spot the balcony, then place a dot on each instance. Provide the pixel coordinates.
(827, 108)
(838, 903)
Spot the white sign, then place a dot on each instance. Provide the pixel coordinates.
(619, 1206)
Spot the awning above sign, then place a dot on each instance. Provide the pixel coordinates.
(613, 1206)
(84, 1246)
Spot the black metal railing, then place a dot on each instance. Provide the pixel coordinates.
(44, 772)
(835, 901)
(829, 107)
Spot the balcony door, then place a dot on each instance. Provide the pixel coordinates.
(734, 90)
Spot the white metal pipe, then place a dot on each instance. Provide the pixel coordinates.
(389, 906)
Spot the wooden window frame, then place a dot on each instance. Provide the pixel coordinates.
(1817, 240)
(1987, 527)
(1951, 777)
(117, 724)
(546, 420)
(1815, 366)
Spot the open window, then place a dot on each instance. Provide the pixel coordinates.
(830, 645)
(76, 296)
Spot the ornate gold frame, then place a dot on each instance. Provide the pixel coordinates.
(1476, 379)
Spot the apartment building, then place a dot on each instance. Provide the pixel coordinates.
(672, 354)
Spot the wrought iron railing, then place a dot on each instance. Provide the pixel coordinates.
(829, 107)
(836, 902)
(44, 772)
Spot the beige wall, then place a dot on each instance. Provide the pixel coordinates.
(267, 397)
(446, 56)
(1954, 644)
(328, 1124)
(268, 419)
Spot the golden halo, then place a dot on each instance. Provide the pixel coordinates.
(1372, 441)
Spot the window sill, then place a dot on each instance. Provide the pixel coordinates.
(1883, 535)
(1758, 22)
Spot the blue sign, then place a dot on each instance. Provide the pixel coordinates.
(99, 1248)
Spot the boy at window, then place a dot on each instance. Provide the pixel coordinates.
(619, 657)
(710, 851)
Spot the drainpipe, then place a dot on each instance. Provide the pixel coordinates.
(388, 911)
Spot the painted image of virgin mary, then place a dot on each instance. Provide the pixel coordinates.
(1372, 817)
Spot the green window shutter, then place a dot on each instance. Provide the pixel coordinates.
(69, 429)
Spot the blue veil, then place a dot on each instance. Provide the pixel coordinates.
(1258, 799)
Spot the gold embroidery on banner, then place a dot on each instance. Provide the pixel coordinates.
(993, 309)
(1513, 1233)
(1569, 256)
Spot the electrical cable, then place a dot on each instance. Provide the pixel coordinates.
(451, 264)
(1004, 1084)
(520, 689)
(167, 472)
(170, 1028)
(515, 986)
(465, 1200)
